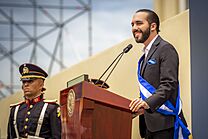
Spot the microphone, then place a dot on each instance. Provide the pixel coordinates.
(125, 50)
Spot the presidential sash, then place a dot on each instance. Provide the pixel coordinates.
(146, 90)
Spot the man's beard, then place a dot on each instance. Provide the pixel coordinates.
(144, 37)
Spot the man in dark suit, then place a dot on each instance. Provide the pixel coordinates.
(159, 67)
(35, 117)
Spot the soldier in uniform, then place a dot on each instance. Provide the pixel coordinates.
(34, 118)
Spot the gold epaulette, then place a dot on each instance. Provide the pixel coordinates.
(50, 101)
(15, 104)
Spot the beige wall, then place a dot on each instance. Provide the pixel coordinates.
(169, 8)
(164, 10)
(124, 79)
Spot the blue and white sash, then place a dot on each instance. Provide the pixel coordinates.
(146, 90)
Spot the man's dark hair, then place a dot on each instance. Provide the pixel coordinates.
(151, 18)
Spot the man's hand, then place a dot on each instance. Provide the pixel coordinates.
(138, 105)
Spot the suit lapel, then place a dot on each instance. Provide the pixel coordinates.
(151, 52)
(143, 66)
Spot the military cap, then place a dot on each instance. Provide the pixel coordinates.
(31, 71)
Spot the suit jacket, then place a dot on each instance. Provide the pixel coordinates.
(163, 75)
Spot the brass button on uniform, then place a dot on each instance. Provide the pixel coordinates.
(26, 120)
(31, 106)
(25, 127)
(28, 113)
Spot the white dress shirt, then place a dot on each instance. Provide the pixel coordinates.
(146, 49)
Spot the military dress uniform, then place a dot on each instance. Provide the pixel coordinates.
(36, 118)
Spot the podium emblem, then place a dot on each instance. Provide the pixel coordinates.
(70, 102)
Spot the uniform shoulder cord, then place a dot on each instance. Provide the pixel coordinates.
(40, 121)
(15, 120)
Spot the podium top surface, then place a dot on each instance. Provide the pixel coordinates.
(95, 93)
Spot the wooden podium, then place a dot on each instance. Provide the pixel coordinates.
(91, 112)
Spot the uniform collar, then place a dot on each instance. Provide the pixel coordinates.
(35, 100)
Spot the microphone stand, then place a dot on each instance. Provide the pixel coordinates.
(109, 67)
(113, 68)
(118, 58)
